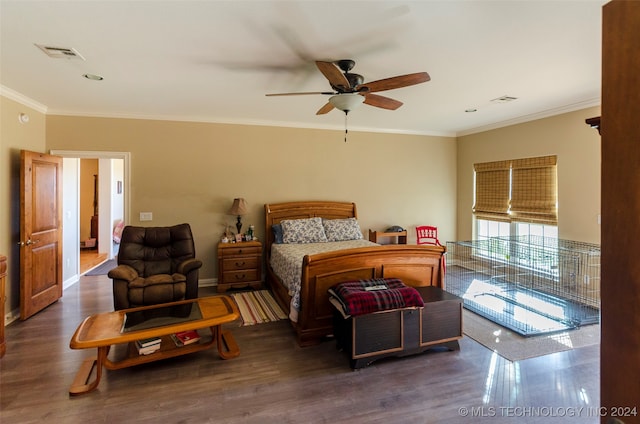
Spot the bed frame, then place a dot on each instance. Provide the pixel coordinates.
(416, 266)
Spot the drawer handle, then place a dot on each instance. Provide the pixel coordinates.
(240, 251)
(240, 264)
(238, 277)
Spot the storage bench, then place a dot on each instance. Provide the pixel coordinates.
(401, 332)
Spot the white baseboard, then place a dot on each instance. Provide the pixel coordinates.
(11, 316)
(70, 282)
(207, 282)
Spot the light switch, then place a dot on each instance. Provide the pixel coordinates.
(146, 216)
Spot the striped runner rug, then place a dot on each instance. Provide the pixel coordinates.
(257, 307)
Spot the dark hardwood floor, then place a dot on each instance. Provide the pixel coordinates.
(274, 381)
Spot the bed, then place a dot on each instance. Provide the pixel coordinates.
(325, 263)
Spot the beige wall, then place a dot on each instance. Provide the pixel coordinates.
(14, 136)
(567, 136)
(190, 172)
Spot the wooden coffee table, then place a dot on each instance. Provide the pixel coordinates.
(125, 326)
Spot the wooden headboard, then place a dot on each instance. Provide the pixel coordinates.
(276, 212)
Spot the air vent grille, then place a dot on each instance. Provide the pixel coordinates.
(504, 99)
(60, 52)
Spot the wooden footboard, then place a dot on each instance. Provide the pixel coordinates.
(416, 266)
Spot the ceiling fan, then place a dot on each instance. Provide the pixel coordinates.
(350, 90)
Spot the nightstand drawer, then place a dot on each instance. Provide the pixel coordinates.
(240, 251)
(242, 262)
(239, 276)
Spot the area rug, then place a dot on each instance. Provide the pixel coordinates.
(515, 347)
(257, 307)
(103, 268)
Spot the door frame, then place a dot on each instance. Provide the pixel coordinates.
(81, 154)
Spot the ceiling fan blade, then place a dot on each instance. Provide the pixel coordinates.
(381, 101)
(394, 82)
(334, 75)
(301, 93)
(325, 109)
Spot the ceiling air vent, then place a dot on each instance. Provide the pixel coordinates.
(504, 99)
(60, 52)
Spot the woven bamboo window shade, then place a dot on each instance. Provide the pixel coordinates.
(534, 189)
(520, 189)
(492, 190)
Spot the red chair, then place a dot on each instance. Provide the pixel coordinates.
(426, 234)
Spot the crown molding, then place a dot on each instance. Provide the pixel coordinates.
(264, 123)
(22, 99)
(533, 117)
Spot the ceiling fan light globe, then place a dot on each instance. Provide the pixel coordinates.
(346, 102)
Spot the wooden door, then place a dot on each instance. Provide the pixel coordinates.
(40, 231)
(620, 231)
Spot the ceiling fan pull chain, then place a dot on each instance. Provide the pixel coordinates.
(345, 125)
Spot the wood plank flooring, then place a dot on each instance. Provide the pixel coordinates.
(90, 259)
(275, 381)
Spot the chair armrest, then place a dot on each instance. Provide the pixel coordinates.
(189, 265)
(123, 272)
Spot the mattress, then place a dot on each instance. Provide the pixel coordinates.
(286, 263)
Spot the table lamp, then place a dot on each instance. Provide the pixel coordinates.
(238, 208)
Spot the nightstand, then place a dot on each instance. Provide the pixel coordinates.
(239, 265)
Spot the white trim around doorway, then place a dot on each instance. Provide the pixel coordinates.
(125, 156)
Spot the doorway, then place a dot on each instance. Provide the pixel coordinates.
(90, 254)
(112, 199)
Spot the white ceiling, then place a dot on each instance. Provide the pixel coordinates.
(214, 61)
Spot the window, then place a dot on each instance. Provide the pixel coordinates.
(516, 200)
(534, 190)
(493, 189)
(536, 230)
(517, 190)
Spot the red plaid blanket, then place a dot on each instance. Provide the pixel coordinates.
(361, 297)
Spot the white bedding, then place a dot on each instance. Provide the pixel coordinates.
(286, 262)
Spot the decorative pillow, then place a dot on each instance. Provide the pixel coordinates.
(277, 233)
(117, 231)
(309, 230)
(342, 229)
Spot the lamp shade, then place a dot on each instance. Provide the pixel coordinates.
(239, 207)
(346, 101)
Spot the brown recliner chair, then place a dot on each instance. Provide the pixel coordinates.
(155, 265)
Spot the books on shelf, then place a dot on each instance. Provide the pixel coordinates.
(149, 342)
(184, 338)
(148, 346)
